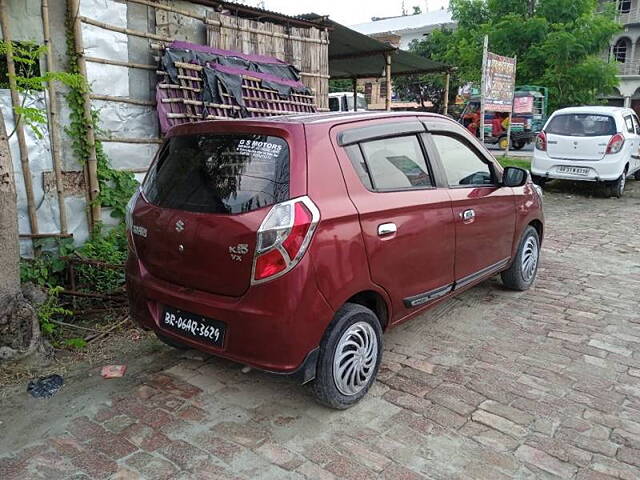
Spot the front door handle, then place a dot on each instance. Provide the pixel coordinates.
(468, 215)
(386, 229)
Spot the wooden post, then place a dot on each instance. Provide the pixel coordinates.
(54, 126)
(355, 95)
(445, 110)
(92, 162)
(485, 51)
(387, 71)
(19, 126)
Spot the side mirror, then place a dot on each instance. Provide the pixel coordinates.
(514, 177)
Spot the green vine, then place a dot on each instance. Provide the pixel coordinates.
(116, 186)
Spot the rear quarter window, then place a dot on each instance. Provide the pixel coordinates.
(214, 173)
(582, 125)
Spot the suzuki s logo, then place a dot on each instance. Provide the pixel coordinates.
(179, 226)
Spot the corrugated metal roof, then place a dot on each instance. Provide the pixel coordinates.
(404, 23)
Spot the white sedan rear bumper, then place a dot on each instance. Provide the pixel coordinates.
(607, 169)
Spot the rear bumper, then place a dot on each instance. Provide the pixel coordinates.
(608, 169)
(276, 326)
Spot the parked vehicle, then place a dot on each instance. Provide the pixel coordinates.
(530, 105)
(596, 144)
(292, 243)
(343, 102)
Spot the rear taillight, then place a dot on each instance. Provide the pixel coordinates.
(615, 144)
(283, 237)
(541, 142)
(128, 219)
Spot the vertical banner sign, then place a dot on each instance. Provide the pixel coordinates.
(499, 83)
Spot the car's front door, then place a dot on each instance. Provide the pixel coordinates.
(406, 221)
(484, 211)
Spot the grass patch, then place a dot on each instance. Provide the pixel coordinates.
(514, 162)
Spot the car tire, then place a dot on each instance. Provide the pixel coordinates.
(354, 341)
(616, 189)
(171, 342)
(518, 144)
(540, 181)
(522, 272)
(637, 175)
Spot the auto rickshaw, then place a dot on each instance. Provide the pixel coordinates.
(530, 113)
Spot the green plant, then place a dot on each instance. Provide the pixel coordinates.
(109, 247)
(116, 186)
(26, 56)
(47, 269)
(77, 343)
(50, 309)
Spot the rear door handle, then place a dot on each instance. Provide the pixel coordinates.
(468, 215)
(386, 229)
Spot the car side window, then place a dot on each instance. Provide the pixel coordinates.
(628, 120)
(636, 124)
(462, 165)
(396, 163)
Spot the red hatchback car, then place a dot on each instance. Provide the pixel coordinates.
(292, 243)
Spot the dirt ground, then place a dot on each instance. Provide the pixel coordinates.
(493, 384)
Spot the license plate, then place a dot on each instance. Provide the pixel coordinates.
(194, 326)
(574, 170)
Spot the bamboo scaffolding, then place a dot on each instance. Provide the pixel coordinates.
(54, 126)
(92, 163)
(19, 126)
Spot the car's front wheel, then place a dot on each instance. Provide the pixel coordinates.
(523, 269)
(350, 354)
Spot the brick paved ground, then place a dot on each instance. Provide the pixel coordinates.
(491, 385)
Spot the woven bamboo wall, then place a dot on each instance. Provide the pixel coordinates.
(305, 48)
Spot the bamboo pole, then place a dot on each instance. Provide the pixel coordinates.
(54, 126)
(19, 127)
(446, 93)
(485, 51)
(126, 31)
(387, 70)
(92, 162)
(118, 63)
(132, 101)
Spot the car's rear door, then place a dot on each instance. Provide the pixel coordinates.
(406, 219)
(483, 210)
(579, 136)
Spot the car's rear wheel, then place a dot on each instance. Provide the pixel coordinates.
(540, 181)
(350, 354)
(616, 189)
(637, 175)
(503, 143)
(523, 269)
(518, 144)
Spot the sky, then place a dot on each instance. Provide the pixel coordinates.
(348, 12)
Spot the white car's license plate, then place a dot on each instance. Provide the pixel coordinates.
(574, 171)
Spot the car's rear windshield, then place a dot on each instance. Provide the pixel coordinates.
(220, 173)
(582, 125)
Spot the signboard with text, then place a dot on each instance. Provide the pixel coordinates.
(499, 83)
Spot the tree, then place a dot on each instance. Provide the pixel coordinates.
(559, 44)
(19, 327)
(428, 87)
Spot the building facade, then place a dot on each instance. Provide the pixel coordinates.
(625, 50)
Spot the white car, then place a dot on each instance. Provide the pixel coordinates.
(596, 144)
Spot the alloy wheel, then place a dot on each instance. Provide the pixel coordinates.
(529, 261)
(355, 358)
